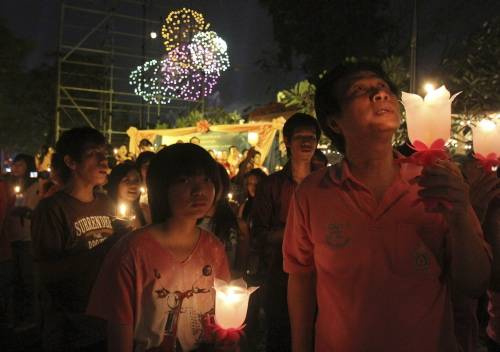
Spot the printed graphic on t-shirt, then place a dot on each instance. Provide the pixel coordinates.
(186, 309)
(94, 229)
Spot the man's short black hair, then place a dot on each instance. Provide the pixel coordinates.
(145, 143)
(74, 143)
(170, 163)
(143, 158)
(299, 120)
(328, 94)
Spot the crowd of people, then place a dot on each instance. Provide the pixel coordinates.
(103, 251)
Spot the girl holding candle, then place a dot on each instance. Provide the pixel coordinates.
(124, 190)
(24, 198)
(250, 182)
(156, 284)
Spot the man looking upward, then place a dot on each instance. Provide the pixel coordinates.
(380, 266)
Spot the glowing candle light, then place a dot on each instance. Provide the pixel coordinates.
(486, 142)
(429, 87)
(19, 196)
(231, 303)
(253, 138)
(230, 196)
(122, 210)
(428, 119)
(486, 137)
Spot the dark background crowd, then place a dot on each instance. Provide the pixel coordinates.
(91, 238)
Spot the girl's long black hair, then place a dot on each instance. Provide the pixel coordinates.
(170, 163)
(118, 173)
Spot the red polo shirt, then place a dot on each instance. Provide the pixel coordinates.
(379, 266)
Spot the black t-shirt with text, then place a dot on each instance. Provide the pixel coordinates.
(64, 228)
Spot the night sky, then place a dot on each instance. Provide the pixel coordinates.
(247, 28)
(244, 24)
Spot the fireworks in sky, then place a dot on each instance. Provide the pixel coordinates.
(192, 66)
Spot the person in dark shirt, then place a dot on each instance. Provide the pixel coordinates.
(301, 134)
(70, 232)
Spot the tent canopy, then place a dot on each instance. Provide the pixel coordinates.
(216, 137)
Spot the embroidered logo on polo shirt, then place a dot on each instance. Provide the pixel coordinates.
(422, 259)
(335, 236)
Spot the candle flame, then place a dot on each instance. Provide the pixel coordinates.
(122, 210)
(230, 196)
(429, 87)
(232, 294)
(17, 189)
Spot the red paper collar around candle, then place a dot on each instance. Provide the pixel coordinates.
(425, 155)
(215, 333)
(488, 162)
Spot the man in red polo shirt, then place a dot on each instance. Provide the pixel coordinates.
(301, 134)
(377, 267)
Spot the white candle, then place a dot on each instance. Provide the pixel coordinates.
(486, 138)
(122, 210)
(231, 303)
(19, 196)
(428, 119)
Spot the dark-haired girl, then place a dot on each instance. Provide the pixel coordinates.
(155, 286)
(124, 190)
(23, 198)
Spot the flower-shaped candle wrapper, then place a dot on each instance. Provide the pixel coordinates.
(428, 119)
(231, 302)
(486, 143)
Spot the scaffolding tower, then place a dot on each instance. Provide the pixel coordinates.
(100, 43)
